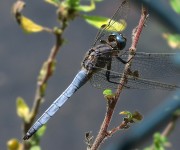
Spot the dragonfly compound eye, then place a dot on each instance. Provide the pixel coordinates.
(119, 39)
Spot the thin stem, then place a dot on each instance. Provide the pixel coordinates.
(123, 125)
(103, 133)
(41, 83)
(170, 127)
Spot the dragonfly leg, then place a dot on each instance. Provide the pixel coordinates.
(124, 61)
(121, 60)
(108, 74)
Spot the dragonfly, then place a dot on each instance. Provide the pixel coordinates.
(104, 63)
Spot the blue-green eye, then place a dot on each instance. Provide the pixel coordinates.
(119, 39)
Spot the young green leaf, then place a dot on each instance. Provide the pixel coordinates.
(98, 21)
(172, 39)
(127, 113)
(41, 131)
(175, 4)
(35, 140)
(43, 71)
(36, 147)
(159, 141)
(86, 8)
(22, 108)
(29, 26)
(72, 3)
(108, 92)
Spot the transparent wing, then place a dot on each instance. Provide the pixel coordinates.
(145, 68)
(119, 16)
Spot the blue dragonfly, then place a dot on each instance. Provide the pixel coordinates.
(104, 63)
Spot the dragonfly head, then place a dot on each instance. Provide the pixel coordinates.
(119, 39)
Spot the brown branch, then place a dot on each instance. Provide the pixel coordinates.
(103, 133)
(42, 81)
(170, 127)
(123, 125)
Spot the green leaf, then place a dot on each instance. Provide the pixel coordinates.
(43, 71)
(43, 89)
(35, 147)
(35, 140)
(72, 3)
(53, 2)
(108, 92)
(29, 26)
(127, 113)
(175, 4)
(173, 40)
(41, 131)
(159, 141)
(22, 109)
(98, 22)
(86, 8)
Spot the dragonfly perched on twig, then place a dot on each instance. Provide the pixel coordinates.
(104, 63)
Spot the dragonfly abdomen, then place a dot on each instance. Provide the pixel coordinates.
(80, 79)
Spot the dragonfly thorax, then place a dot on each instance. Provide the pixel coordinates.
(119, 39)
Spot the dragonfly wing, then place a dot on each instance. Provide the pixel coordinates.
(155, 65)
(145, 68)
(150, 65)
(119, 16)
(99, 80)
(139, 83)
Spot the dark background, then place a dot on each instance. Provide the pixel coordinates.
(21, 57)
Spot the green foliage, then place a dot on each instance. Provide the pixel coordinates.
(35, 140)
(47, 69)
(173, 40)
(159, 142)
(35, 148)
(29, 26)
(86, 8)
(41, 131)
(72, 3)
(26, 24)
(108, 94)
(98, 22)
(175, 4)
(22, 109)
(132, 117)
